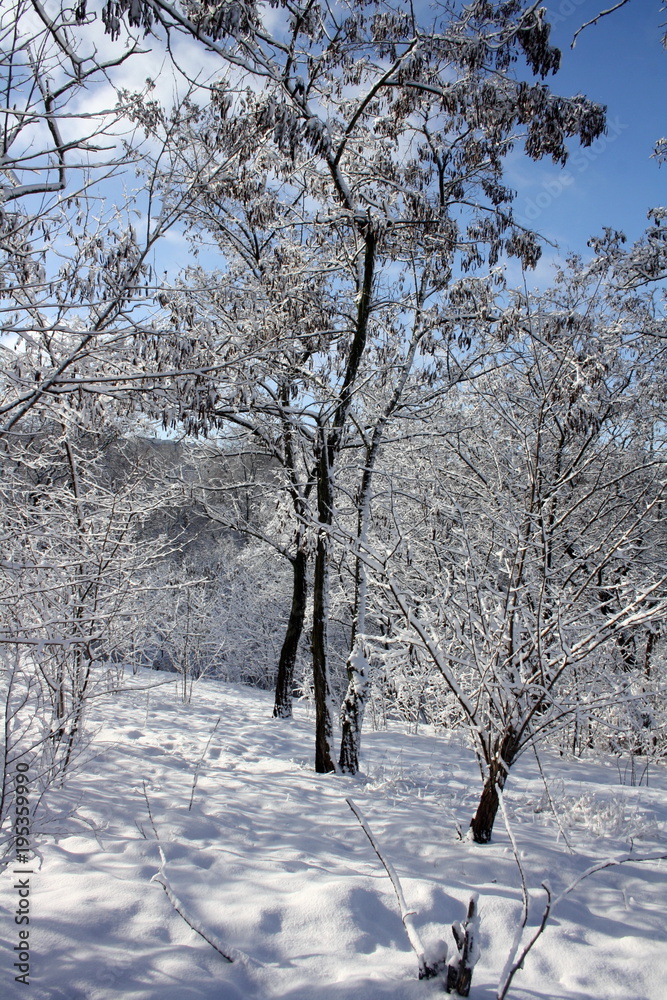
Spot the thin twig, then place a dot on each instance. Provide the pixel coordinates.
(227, 951)
(551, 802)
(509, 976)
(517, 858)
(201, 761)
(610, 863)
(594, 20)
(552, 903)
(509, 968)
(425, 971)
(150, 814)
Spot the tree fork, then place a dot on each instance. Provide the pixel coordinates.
(482, 822)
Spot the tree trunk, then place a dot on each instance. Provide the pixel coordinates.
(499, 760)
(282, 708)
(357, 662)
(353, 711)
(323, 713)
(329, 445)
(357, 673)
(482, 822)
(459, 973)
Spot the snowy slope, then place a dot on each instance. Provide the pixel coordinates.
(271, 860)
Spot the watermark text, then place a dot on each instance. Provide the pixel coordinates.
(22, 873)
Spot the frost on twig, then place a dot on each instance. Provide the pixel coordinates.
(512, 967)
(227, 951)
(428, 968)
(150, 813)
(200, 762)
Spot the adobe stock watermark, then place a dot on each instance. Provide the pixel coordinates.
(578, 163)
(22, 872)
(563, 11)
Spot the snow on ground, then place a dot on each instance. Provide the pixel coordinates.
(271, 860)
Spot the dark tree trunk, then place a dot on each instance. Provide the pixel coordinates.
(353, 713)
(482, 822)
(282, 708)
(651, 640)
(323, 713)
(329, 444)
(357, 667)
(459, 974)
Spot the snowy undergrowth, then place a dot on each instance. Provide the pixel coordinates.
(271, 860)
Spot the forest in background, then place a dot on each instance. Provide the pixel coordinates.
(269, 409)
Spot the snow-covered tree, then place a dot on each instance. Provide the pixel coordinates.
(370, 155)
(533, 567)
(72, 587)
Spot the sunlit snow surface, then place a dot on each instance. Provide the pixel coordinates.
(271, 860)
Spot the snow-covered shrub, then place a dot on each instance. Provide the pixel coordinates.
(74, 556)
(223, 615)
(37, 744)
(608, 815)
(405, 686)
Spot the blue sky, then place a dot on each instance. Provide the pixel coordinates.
(620, 62)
